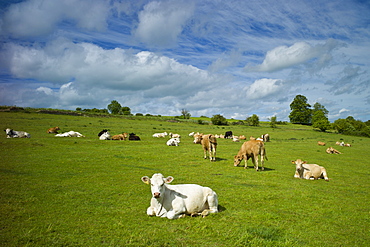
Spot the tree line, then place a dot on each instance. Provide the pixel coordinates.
(301, 113)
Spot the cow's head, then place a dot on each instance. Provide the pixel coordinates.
(157, 183)
(198, 138)
(237, 159)
(298, 164)
(9, 132)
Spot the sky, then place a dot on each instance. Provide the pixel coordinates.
(230, 57)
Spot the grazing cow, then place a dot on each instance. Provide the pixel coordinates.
(209, 144)
(177, 201)
(331, 150)
(251, 149)
(228, 135)
(309, 171)
(164, 134)
(122, 136)
(173, 142)
(70, 134)
(102, 132)
(53, 130)
(133, 137)
(321, 143)
(105, 136)
(16, 134)
(265, 137)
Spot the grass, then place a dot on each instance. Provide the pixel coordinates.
(87, 192)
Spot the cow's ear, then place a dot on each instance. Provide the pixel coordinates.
(169, 179)
(293, 162)
(304, 162)
(146, 179)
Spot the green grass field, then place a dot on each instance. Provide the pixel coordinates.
(87, 192)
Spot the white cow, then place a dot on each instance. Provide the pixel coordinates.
(164, 134)
(16, 134)
(173, 142)
(309, 171)
(70, 134)
(176, 201)
(105, 136)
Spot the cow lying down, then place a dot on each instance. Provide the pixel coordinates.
(16, 134)
(70, 134)
(309, 171)
(176, 201)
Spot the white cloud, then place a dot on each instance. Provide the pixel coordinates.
(160, 23)
(35, 18)
(263, 88)
(283, 57)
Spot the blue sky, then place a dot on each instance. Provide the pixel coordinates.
(234, 58)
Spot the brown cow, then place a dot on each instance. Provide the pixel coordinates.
(251, 149)
(321, 143)
(122, 136)
(331, 150)
(53, 130)
(309, 171)
(209, 144)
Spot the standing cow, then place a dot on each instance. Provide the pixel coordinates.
(251, 149)
(176, 201)
(309, 171)
(209, 144)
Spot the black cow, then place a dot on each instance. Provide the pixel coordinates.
(228, 135)
(133, 137)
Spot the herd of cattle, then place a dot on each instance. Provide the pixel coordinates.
(176, 201)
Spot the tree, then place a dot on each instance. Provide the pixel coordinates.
(320, 117)
(185, 114)
(253, 120)
(218, 120)
(114, 107)
(301, 112)
(125, 110)
(320, 121)
(273, 122)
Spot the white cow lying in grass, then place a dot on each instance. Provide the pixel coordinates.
(164, 134)
(176, 201)
(173, 142)
(16, 134)
(105, 136)
(309, 171)
(70, 134)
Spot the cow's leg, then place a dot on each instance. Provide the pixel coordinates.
(296, 174)
(178, 210)
(263, 160)
(150, 211)
(212, 202)
(245, 161)
(325, 175)
(205, 153)
(255, 161)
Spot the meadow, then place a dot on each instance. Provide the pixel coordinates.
(87, 192)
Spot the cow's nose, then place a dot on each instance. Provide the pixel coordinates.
(157, 194)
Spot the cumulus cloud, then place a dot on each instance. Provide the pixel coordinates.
(283, 57)
(160, 23)
(35, 18)
(263, 88)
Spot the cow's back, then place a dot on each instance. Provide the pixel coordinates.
(193, 195)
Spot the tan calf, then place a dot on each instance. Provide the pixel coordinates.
(251, 149)
(53, 130)
(309, 171)
(209, 144)
(120, 137)
(321, 143)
